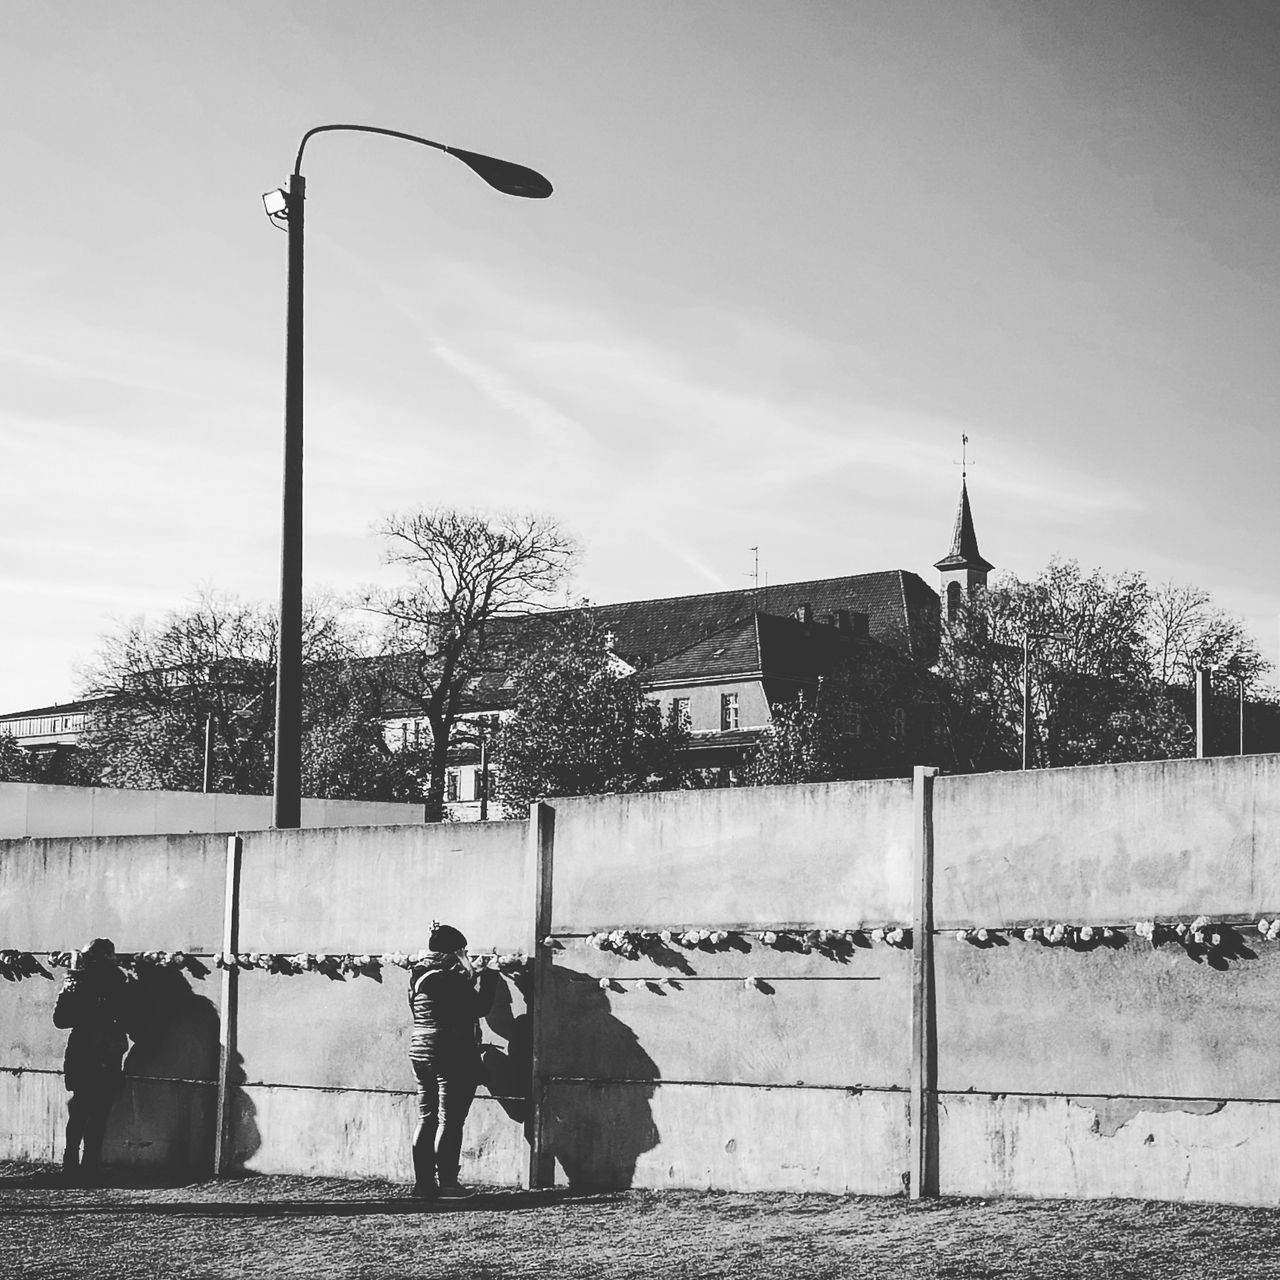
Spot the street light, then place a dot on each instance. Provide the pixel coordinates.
(286, 209)
(1027, 637)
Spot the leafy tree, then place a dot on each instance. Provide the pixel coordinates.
(468, 572)
(582, 724)
(16, 764)
(1109, 657)
(863, 722)
(213, 665)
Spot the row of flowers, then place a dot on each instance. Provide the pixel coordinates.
(631, 944)
(16, 965)
(1199, 932)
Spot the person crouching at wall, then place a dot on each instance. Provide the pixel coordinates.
(447, 1004)
(94, 1004)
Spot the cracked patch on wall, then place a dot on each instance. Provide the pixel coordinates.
(1110, 1115)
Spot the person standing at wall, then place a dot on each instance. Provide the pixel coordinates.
(447, 1001)
(94, 1004)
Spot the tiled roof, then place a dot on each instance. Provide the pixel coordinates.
(762, 645)
(901, 611)
(716, 632)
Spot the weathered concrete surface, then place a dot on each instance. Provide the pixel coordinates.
(832, 854)
(154, 1123)
(813, 1021)
(143, 892)
(309, 1031)
(374, 889)
(350, 1134)
(33, 1115)
(1026, 1018)
(1223, 1152)
(33, 809)
(723, 1138)
(1109, 843)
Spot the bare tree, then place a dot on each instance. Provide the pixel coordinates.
(198, 686)
(468, 571)
(1186, 630)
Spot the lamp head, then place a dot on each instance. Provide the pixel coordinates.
(502, 175)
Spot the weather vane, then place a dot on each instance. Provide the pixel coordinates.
(963, 464)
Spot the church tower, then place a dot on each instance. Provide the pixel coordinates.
(964, 571)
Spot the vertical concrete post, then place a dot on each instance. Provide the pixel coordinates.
(228, 1010)
(922, 1101)
(542, 827)
(1202, 702)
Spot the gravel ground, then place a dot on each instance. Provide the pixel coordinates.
(319, 1228)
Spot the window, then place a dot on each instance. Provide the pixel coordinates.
(680, 712)
(728, 711)
(954, 601)
(451, 786)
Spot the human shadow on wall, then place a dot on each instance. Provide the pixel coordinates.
(166, 1112)
(597, 1118)
(507, 1072)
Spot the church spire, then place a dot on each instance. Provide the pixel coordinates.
(964, 570)
(964, 553)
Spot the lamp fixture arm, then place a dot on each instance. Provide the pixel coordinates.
(361, 128)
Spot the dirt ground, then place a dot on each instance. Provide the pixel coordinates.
(319, 1228)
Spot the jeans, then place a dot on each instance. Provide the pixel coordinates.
(445, 1093)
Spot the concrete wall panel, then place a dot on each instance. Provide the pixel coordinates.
(144, 893)
(833, 854)
(33, 809)
(1109, 843)
(315, 1033)
(33, 1115)
(1027, 1018)
(842, 1028)
(28, 1038)
(353, 1134)
(730, 1139)
(375, 889)
(1087, 1148)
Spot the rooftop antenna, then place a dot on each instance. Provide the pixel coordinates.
(755, 572)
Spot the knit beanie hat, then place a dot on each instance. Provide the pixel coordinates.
(444, 937)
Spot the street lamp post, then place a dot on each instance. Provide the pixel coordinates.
(1027, 637)
(287, 210)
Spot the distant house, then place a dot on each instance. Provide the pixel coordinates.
(46, 730)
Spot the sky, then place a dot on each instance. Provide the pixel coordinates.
(795, 252)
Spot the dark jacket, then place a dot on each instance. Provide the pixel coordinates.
(446, 1010)
(95, 1004)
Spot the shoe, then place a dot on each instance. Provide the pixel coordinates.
(452, 1191)
(424, 1191)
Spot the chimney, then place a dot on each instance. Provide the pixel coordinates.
(805, 612)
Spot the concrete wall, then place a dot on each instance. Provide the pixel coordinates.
(158, 892)
(321, 1076)
(32, 809)
(1113, 1068)
(327, 1080)
(797, 1085)
(1117, 1069)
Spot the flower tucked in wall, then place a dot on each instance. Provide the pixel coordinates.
(16, 965)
